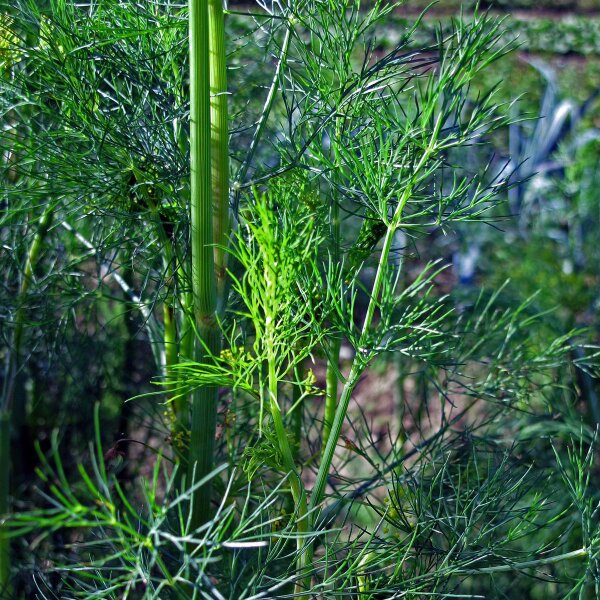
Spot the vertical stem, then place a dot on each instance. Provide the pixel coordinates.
(401, 398)
(170, 340)
(176, 419)
(331, 389)
(333, 363)
(169, 319)
(204, 399)
(8, 394)
(203, 274)
(296, 485)
(219, 142)
(30, 262)
(298, 411)
(298, 493)
(209, 219)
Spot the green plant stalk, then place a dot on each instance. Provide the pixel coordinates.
(30, 262)
(266, 111)
(170, 341)
(177, 402)
(32, 257)
(333, 362)
(283, 441)
(204, 399)
(219, 123)
(297, 488)
(5, 587)
(401, 399)
(186, 346)
(8, 400)
(331, 390)
(297, 414)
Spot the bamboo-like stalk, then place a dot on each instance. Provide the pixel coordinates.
(209, 223)
(204, 399)
(219, 131)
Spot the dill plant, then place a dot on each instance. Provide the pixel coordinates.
(348, 154)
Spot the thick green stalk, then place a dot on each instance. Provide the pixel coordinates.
(201, 206)
(204, 399)
(219, 142)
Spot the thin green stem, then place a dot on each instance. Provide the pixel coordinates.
(297, 414)
(297, 488)
(401, 399)
(356, 370)
(333, 362)
(271, 304)
(186, 342)
(331, 389)
(8, 393)
(28, 270)
(170, 340)
(266, 111)
(177, 424)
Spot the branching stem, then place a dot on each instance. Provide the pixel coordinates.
(359, 364)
